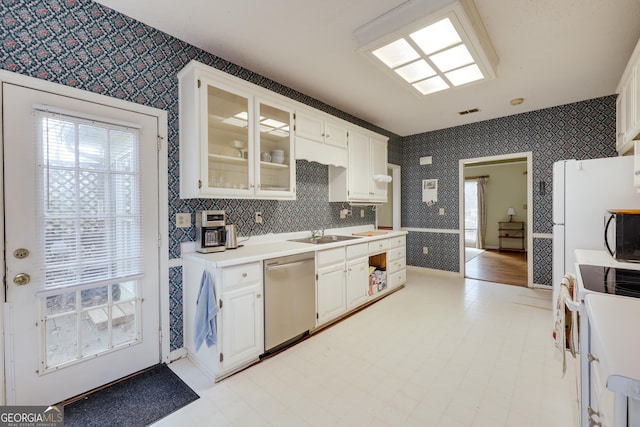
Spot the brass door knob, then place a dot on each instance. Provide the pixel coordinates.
(21, 279)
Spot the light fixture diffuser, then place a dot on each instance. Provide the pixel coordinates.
(464, 75)
(430, 45)
(396, 53)
(453, 58)
(437, 36)
(415, 71)
(432, 85)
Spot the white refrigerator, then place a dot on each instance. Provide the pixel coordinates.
(583, 191)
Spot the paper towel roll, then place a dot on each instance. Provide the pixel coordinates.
(382, 178)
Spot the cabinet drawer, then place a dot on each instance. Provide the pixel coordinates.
(395, 253)
(378, 246)
(396, 265)
(241, 274)
(357, 251)
(330, 257)
(394, 242)
(396, 279)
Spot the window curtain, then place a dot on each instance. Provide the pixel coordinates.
(482, 213)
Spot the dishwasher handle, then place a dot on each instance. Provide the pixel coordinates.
(275, 266)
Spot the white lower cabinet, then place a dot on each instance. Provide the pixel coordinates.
(242, 326)
(396, 263)
(330, 293)
(343, 282)
(357, 278)
(239, 323)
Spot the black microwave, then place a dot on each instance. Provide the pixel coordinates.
(622, 234)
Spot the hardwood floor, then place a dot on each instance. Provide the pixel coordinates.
(499, 266)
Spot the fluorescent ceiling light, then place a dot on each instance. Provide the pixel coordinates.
(465, 75)
(430, 45)
(432, 85)
(415, 71)
(436, 36)
(452, 58)
(396, 53)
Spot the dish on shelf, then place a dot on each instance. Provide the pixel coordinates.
(277, 156)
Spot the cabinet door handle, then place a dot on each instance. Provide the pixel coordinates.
(636, 173)
(244, 274)
(592, 358)
(259, 296)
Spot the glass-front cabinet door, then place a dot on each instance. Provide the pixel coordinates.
(275, 159)
(227, 155)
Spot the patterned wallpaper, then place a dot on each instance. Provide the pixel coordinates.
(85, 45)
(582, 130)
(82, 44)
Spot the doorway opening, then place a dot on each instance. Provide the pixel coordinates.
(496, 219)
(388, 215)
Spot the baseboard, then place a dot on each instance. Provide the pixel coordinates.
(433, 271)
(177, 354)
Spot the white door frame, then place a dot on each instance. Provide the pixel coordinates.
(163, 196)
(529, 156)
(395, 175)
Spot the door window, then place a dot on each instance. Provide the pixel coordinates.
(89, 211)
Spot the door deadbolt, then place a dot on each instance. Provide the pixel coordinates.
(21, 253)
(21, 279)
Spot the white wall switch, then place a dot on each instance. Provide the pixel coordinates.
(258, 217)
(361, 213)
(425, 250)
(183, 220)
(342, 214)
(441, 212)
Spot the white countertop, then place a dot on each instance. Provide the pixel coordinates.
(277, 245)
(614, 320)
(591, 257)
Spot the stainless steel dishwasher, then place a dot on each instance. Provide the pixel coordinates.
(289, 299)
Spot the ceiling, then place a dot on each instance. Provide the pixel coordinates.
(551, 53)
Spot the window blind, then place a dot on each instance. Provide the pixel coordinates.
(89, 204)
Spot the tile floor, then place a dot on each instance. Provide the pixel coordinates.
(444, 351)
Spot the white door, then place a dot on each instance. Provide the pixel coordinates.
(359, 176)
(242, 319)
(330, 293)
(378, 166)
(82, 282)
(357, 282)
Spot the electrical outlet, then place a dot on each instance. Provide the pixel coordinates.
(441, 212)
(361, 213)
(183, 220)
(258, 217)
(425, 250)
(343, 215)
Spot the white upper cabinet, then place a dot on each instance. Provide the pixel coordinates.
(363, 180)
(275, 161)
(320, 139)
(235, 141)
(378, 169)
(628, 105)
(359, 164)
(317, 128)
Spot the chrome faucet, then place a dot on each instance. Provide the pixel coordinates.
(316, 234)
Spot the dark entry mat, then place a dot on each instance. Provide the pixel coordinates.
(138, 400)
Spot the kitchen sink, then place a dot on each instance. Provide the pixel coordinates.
(324, 239)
